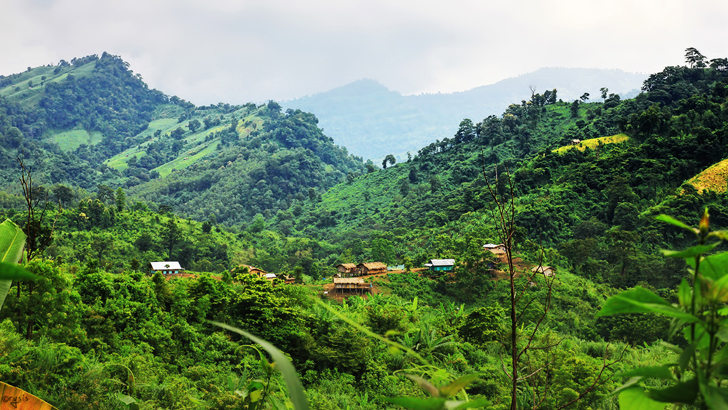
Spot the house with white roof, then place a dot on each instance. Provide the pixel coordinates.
(165, 267)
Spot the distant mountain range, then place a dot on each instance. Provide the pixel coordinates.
(372, 121)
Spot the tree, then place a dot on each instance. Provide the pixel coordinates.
(63, 194)
(102, 244)
(105, 194)
(298, 274)
(383, 250)
(388, 159)
(120, 200)
(413, 177)
(552, 97)
(404, 186)
(694, 58)
(523, 345)
(194, 125)
(465, 132)
(719, 64)
(171, 236)
(605, 92)
(370, 168)
(178, 133)
(584, 97)
(350, 177)
(575, 109)
(435, 183)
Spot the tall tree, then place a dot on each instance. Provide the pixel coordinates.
(171, 235)
(389, 159)
(120, 200)
(694, 58)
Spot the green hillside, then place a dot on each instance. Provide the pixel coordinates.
(92, 122)
(222, 186)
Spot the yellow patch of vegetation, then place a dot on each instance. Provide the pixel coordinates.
(593, 143)
(714, 178)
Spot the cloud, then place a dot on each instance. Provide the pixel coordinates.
(235, 51)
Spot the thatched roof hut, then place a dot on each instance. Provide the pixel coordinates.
(371, 268)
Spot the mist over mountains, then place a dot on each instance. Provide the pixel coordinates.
(372, 121)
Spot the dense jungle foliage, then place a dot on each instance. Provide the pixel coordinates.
(98, 332)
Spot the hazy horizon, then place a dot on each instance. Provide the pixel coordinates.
(234, 51)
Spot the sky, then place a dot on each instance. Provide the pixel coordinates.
(237, 51)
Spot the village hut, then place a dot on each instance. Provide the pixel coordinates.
(351, 285)
(546, 270)
(346, 269)
(371, 268)
(499, 249)
(251, 269)
(165, 267)
(441, 265)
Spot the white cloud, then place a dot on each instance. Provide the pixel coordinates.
(237, 51)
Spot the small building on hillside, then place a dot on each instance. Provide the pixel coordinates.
(251, 269)
(371, 268)
(546, 270)
(499, 249)
(165, 267)
(575, 142)
(346, 269)
(441, 265)
(351, 285)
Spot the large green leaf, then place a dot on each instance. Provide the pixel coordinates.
(715, 397)
(416, 403)
(12, 241)
(453, 388)
(9, 271)
(690, 252)
(713, 266)
(673, 221)
(473, 404)
(655, 372)
(683, 392)
(641, 300)
(636, 399)
(295, 388)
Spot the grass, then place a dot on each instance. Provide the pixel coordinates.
(715, 178)
(593, 143)
(197, 148)
(185, 159)
(70, 140)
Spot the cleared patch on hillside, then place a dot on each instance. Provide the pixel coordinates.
(593, 143)
(714, 178)
(187, 158)
(70, 140)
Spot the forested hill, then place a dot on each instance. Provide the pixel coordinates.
(593, 201)
(93, 122)
(372, 121)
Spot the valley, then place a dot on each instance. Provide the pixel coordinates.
(585, 286)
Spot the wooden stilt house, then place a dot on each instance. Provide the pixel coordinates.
(351, 285)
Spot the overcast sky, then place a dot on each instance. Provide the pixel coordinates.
(236, 51)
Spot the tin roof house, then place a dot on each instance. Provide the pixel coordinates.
(165, 267)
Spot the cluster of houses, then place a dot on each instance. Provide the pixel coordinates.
(366, 268)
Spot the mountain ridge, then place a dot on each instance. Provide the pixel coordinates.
(355, 118)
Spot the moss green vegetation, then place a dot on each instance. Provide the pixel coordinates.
(71, 140)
